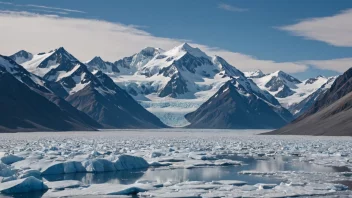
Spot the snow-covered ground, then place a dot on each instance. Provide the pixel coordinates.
(27, 158)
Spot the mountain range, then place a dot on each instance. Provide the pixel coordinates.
(154, 88)
(173, 83)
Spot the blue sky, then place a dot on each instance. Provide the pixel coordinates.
(252, 28)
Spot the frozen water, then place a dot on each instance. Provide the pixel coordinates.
(22, 185)
(174, 163)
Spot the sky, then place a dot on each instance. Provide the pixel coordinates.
(305, 38)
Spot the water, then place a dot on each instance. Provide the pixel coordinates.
(163, 175)
(281, 163)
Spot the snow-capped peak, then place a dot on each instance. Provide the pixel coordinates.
(254, 74)
(96, 60)
(313, 80)
(21, 56)
(65, 53)
(226, 67)
(151, 51)
(281, 74)
(186, 48)
(97, 63)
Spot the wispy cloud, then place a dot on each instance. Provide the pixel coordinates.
(87, 38)
(231, 8)
(339, 65)
(335, 30)
(6, 3)
(49, 11)
(54, 8)
(43, 8)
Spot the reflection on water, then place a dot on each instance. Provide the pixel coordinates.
(119, 177)
(163, 175)
(282, 163)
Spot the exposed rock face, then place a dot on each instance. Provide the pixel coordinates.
(279, 80)
(99, 64)
(80, 121)
(112, 106)
(331, 114)
(21, 56)
(233, 107)
(284, 92)
(254, 74)
(23, 109)
(292, 94)
(176, 86)
(89, 90)
(181, 78)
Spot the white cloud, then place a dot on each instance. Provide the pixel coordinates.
(231, 8)
(339, 65)
(335, 30)
(86, 38)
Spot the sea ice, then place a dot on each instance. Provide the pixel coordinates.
(28, 184)
(27, 157)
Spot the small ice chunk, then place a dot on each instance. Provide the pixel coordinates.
(128, 162)
(28, 184)
(226, 162)
(60, 185)
(155, 154)
(5, 170)
(198, 156)
(98, 165)
(9, 159)
(230, 182)
(30, 173)
(157, 164)
(265, 186)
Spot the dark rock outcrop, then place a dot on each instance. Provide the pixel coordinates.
(23, 109)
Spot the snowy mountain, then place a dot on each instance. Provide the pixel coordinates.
(234, 106)
(21, 56)
(173, 83)
(98, 64)
(290, 91)
(86, 92)
(254, 74)
(112, 106)
(30, 103)
(306, 103)
(331, 113)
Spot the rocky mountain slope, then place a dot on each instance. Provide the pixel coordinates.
(233, 106)
(170, 84)
(104, 102)
(28, 104)
(293, 94)
(331, 114)
(173, 83)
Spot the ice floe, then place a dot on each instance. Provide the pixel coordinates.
(28, 159)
